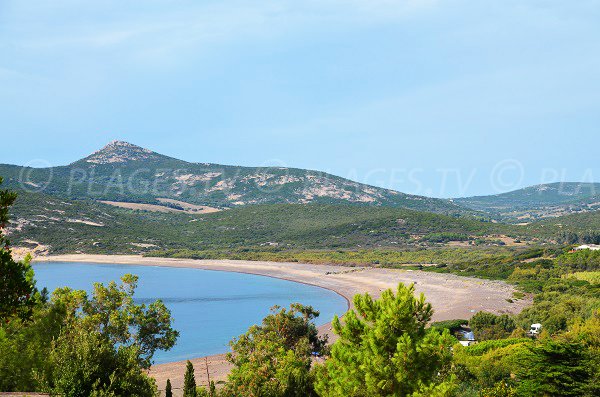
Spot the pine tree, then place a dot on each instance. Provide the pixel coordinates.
(555, 368)
(384, 349)
(189, 381)
(168, 391)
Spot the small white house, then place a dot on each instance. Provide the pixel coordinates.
(591, 247)
(535, 329)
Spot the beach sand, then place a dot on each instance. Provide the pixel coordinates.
(451, 296)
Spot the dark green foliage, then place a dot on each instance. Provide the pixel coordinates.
(168, 391)
(451, 325)
(25, 346)
(487, 326)
(18, 294)
(258, 229)
(553, 368)
(189, 381)
(580, 260)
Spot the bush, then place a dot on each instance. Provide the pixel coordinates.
(489, 326)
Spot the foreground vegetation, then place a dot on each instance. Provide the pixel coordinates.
(72, 344)
(564, 360)
(386, 348)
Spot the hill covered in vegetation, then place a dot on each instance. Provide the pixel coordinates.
(123, 172)
(56, 225)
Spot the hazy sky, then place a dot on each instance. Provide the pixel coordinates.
(445, 98)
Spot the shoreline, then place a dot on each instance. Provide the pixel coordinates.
(451, 296)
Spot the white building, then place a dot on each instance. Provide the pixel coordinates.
(592, 247)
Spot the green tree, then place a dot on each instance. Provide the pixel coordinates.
(554, 368)
(384, 349)
(189, 381)
(274, 359)
(168, 391)
(488, 326)
(113, 313)
(25, 346)
(75, 345)
(84, 363)
(71, 350)
(18, 294)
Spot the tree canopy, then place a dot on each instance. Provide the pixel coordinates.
(274, 359)
(384, 349)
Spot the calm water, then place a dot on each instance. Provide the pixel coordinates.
(208, 307)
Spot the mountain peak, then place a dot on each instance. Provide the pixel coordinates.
(119, 152)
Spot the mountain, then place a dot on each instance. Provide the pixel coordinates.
(125, 173)
(538, 202)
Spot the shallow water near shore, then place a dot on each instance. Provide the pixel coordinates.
(209, 307)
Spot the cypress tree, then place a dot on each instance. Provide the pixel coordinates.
(168, 391)
(189, 381)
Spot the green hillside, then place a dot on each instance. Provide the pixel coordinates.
(125, 172)
(88, 226)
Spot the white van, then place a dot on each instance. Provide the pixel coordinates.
(535, 329)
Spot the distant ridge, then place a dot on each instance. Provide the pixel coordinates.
(539, 201)
(122, 171)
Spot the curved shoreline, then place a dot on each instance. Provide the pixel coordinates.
(451, 296)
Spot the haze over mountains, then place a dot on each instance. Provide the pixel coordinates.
(125, 174)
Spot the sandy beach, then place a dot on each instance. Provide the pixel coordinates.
(451, 296)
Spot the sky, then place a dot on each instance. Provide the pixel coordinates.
(441, 98)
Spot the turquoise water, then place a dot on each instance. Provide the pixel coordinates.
(208, 307)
